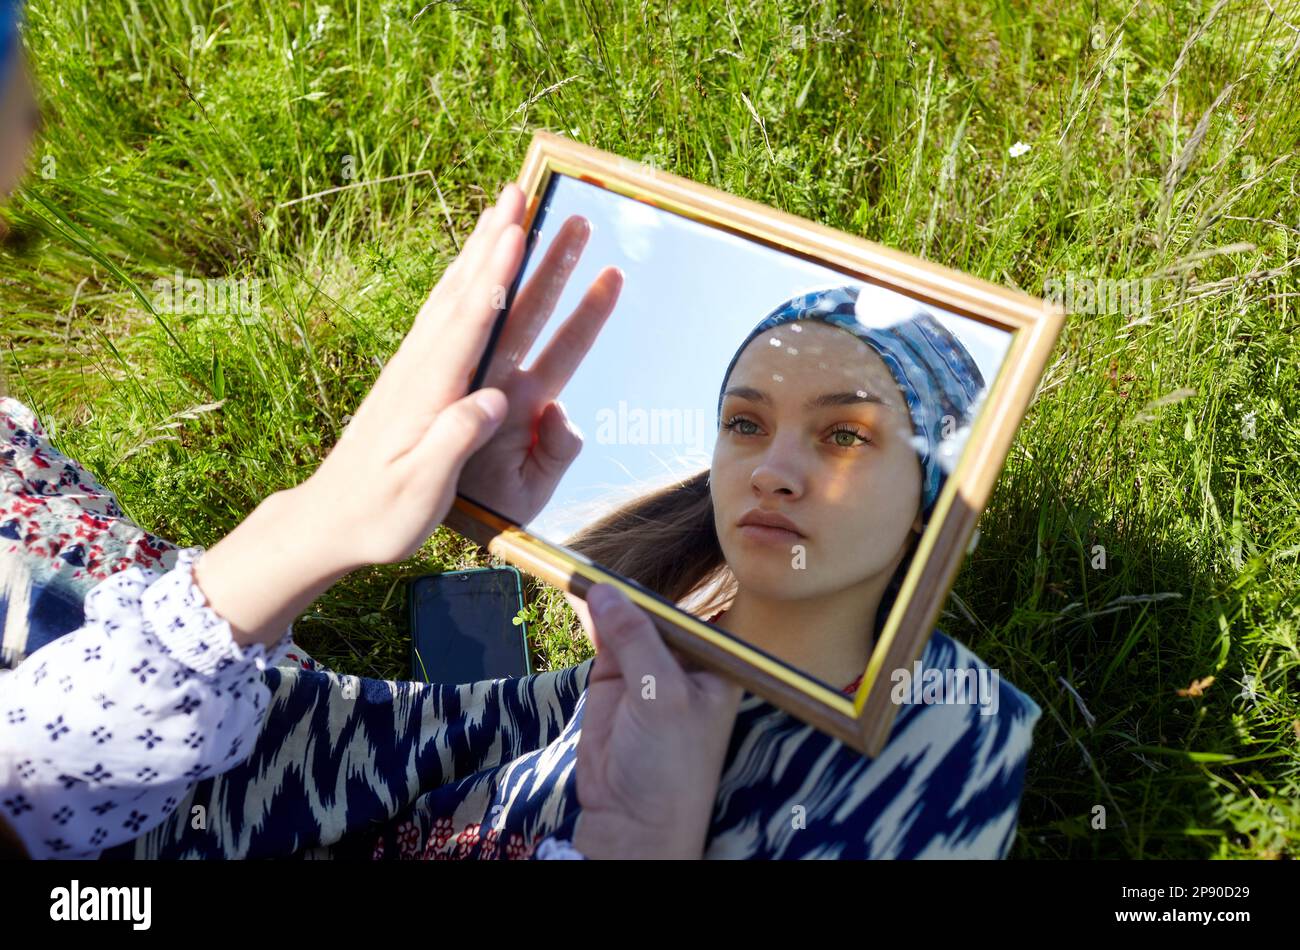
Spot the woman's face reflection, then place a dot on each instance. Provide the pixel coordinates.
(814, 428)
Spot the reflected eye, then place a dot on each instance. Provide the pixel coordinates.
(848, 430)
(836, 434)
(738, 421)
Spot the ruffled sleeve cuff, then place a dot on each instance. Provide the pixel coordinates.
(177, 614)
(556, 849)
(126, 713)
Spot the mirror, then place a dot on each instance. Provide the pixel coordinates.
(767, 435)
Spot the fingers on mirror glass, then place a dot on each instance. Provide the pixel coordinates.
(573, 340)
(537, 299)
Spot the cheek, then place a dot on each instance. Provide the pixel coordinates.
(887, 495)
(722, 476)
(909, 483)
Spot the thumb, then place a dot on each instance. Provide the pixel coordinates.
(461, 429)
(558, 440)
(627, 637)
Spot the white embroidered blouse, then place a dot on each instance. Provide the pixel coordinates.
(104, 730)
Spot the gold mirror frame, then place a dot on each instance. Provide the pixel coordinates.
(864, 721)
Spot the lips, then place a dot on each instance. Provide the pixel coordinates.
(769, 519)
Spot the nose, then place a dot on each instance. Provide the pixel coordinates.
(779, 471)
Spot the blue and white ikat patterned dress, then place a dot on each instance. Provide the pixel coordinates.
(353, 768)
(486, 771)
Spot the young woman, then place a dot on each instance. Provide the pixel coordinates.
(840, 427)
(839, 431)
(162, 677)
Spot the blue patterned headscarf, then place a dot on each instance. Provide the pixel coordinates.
(933, 370)
(10, 14)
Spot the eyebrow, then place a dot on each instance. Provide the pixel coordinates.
(816, 402)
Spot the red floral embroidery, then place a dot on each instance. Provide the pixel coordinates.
(489, 851)
(430, 852)
(517, 849)
(442, 830)
(80, 536)
(378, 854)
(97, 524)
(467, 839)
(408, 840)
(435, 847)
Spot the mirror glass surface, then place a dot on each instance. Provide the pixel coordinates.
(844, 405)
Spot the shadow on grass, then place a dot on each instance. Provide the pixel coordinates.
(1102, 617)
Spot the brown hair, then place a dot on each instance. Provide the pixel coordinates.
(666, 541)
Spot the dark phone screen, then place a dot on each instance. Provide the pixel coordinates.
(461, 629)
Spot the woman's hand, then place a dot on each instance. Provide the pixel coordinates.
(516, 472)
(653, 741)
(392, 477)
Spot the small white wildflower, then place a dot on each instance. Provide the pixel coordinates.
(1249, 689)
(1018, 149)
(323, 12)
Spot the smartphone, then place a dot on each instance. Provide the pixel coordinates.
(462, 626)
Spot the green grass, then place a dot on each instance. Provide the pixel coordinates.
(177, 131)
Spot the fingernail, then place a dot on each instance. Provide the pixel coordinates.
(491, 405)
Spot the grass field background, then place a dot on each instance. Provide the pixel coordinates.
(1145, 532)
